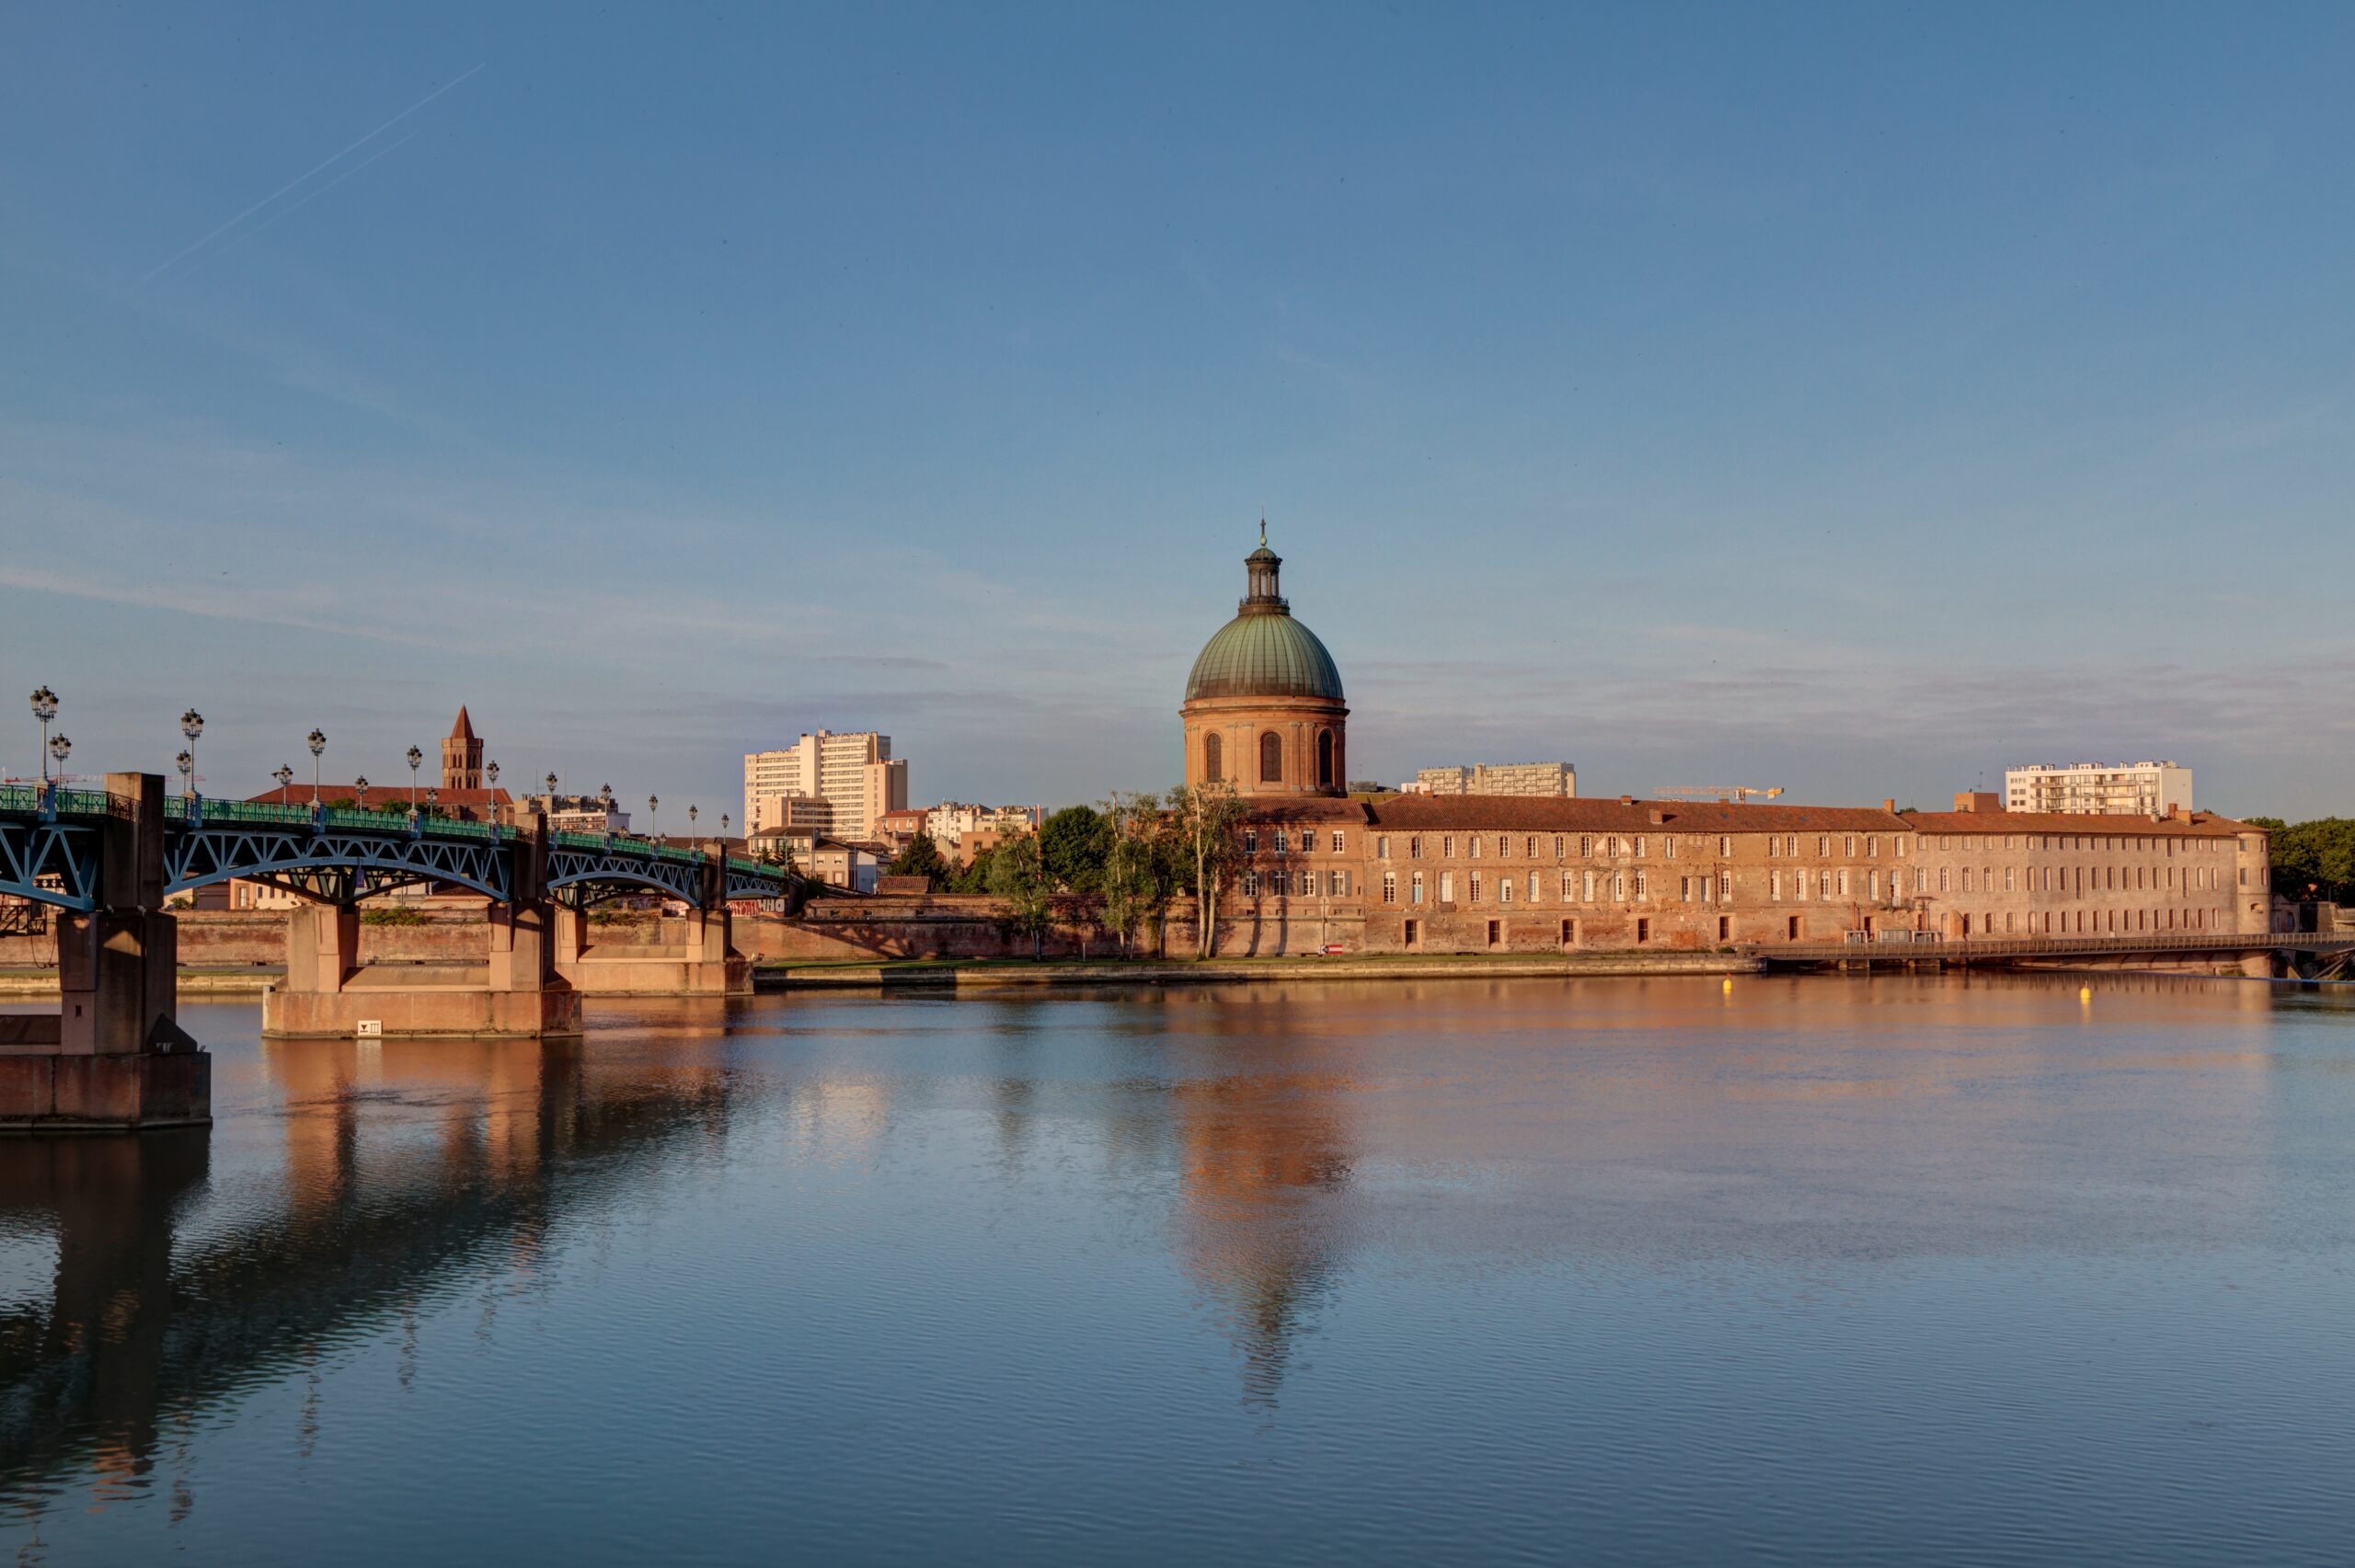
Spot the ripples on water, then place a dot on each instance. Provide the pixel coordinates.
(1809, 1270)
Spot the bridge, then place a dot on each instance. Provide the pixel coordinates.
(108, 861)
(2301, 955)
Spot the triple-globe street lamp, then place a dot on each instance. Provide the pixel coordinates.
(415, 757)
(44, 709)
(318, 743)
(191, 726)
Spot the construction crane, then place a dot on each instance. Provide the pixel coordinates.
(1730, 794)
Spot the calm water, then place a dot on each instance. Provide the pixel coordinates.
(1811, 1271)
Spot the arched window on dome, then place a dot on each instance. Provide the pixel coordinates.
(1272, 758)
(1324, 759)
(1214, 758)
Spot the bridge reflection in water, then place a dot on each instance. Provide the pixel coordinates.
(964, 1251)
(148, 1326)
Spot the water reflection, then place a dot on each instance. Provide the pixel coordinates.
(405, 1165)
(1757, 1264)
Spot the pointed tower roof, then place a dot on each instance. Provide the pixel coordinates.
(463, 730)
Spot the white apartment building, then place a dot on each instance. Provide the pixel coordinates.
(1556, 779)
(2118, 789)
(846, 779)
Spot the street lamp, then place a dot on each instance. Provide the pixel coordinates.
(359, 788)
(652, 801)
(186, 763)
(191, 726)
(44, 709)
(318, 744)
(60, 748)
(415, 757)
(432, 798)
(723, 824)
(691, 821)
(285, 777)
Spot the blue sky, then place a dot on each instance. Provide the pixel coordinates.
(1850, 399)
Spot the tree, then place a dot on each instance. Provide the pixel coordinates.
(1132, 870)
(1074, 843)
(975, 876)
(1019, 876)
(1204, 819)
(2319, 854)
(921, 858)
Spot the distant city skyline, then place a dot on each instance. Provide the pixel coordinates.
(1860, 405)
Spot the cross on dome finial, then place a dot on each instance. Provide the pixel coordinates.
(1263, 529)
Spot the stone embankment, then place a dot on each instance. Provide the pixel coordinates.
(1007, 976)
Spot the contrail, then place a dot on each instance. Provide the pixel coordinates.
(310, 195)
(298, 179)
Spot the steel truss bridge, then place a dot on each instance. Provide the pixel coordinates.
(51, 838)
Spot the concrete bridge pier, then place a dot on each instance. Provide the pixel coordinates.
(696, 956)
(515, 991)
(114, 1056)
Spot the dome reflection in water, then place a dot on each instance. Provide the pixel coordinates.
(1906, 1270)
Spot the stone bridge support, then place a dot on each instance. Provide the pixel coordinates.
(696, 956)
(114, 1056)
(515, 991)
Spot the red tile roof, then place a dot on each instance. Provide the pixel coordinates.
(463, 730)
(1555, 814)
(384, 796)
(2196, 825)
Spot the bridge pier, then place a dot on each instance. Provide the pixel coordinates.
(114, 1057)
(515, 992)
(701, 962)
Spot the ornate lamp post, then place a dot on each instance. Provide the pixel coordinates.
(652, 802)
(191, 726)
(691, 821)
(60, 748)
(723, 824)
(606, 799)
(285, 777)
(490, 806)
(186, 763)
(415, 757)
(359, 788)
(318, 743)
(432, 798)
(44, 709)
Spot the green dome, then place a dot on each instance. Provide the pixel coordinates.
(1260, 654)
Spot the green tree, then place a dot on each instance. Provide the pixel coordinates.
(975, 876)
(1019, 876)
(1203, 821)
(1074, 843)
(1132, 867)
(922, 858)
(2319, 854)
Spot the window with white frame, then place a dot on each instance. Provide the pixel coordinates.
(1251, 841)
(1250, 883)
(1389, 886)
(1416, 890)
(1447, 886)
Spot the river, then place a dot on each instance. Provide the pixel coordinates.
(1917, 1270)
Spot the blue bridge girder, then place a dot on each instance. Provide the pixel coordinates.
(50, 852)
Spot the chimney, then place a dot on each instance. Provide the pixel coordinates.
(1626, 800)
(1978, 802)
(1889, 805)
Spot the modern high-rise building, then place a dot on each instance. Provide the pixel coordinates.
(848, 779)
(1558, 780)
(2117, 789)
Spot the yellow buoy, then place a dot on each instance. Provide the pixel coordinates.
(1729, 983)
(2084, 993)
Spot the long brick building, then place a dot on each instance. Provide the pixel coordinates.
(1457, 874)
